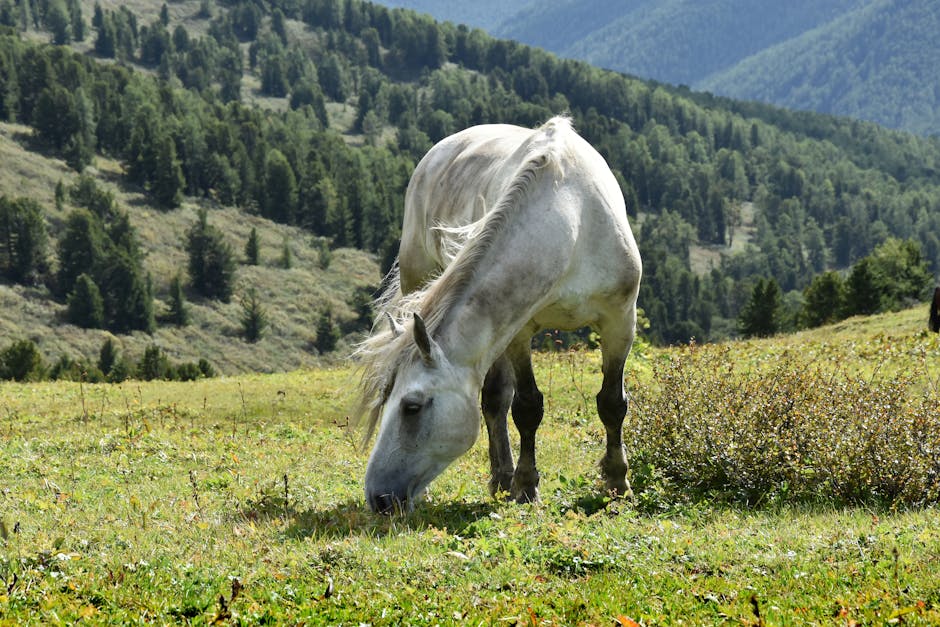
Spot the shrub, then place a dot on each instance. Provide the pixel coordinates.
(792, 433)
(206, 368)
(153, 364)
(188, 372)
(21, 361)
(68, 369)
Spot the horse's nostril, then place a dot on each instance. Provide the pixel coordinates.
(387, 504)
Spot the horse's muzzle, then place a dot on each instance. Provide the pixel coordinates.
(387, 504)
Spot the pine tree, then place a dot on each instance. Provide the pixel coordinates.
(254, 318)
(761, 315)
(106, 39)
(59, 23)
(823, 300)
(80, 249)
(75, 20)
(60, 196)
(862, 293)
(168, 180)
(153, 364)
(327, 333)
(252, 248)
(85, 305)
(211, 262)
(324, 254)
(273, 77)
(127, 294)
(107, 356)
(23, 240)
(178, 313)
(280, 201)
(79, 148)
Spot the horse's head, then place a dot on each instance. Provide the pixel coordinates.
(430, 419)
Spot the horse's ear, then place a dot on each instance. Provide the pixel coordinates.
(397, 329)
(423, 340)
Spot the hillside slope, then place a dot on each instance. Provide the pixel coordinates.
(676, 41)
(293, 298)
(877, 63)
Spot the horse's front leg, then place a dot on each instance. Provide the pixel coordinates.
(616, 341)
(527, 410)
(496, 399)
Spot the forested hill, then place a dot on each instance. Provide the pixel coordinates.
(312, 114)
(873, 60)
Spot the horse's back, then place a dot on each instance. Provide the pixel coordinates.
(455, 183)
(466, 174)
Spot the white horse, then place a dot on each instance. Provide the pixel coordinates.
(506, 231)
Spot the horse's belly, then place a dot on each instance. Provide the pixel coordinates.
(565, 315)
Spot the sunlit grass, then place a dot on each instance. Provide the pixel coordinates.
(240, 500)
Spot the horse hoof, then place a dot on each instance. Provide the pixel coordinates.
(526, 495)
(525, 486)
(620, 490)
(500, 484)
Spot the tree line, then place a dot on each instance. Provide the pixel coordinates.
(22, 361)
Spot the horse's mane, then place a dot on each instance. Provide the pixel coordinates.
(387, 350)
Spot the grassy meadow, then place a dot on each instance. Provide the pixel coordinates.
(239, 499)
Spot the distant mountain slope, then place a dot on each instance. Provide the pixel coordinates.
(672, 41)
(567, 27)
(878, 63)
(682, 41)
(485, 14)
(870, 59)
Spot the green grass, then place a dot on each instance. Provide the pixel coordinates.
(239, 500)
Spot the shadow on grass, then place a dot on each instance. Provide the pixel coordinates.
(353, 517)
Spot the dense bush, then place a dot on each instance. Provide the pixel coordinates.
(21, 361)
(795, 432)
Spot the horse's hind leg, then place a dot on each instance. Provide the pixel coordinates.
(496, 400)
(527, 412)
(616, 341)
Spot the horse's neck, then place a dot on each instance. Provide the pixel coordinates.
(512, 281)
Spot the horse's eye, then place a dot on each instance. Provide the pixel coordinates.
(410, 408)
